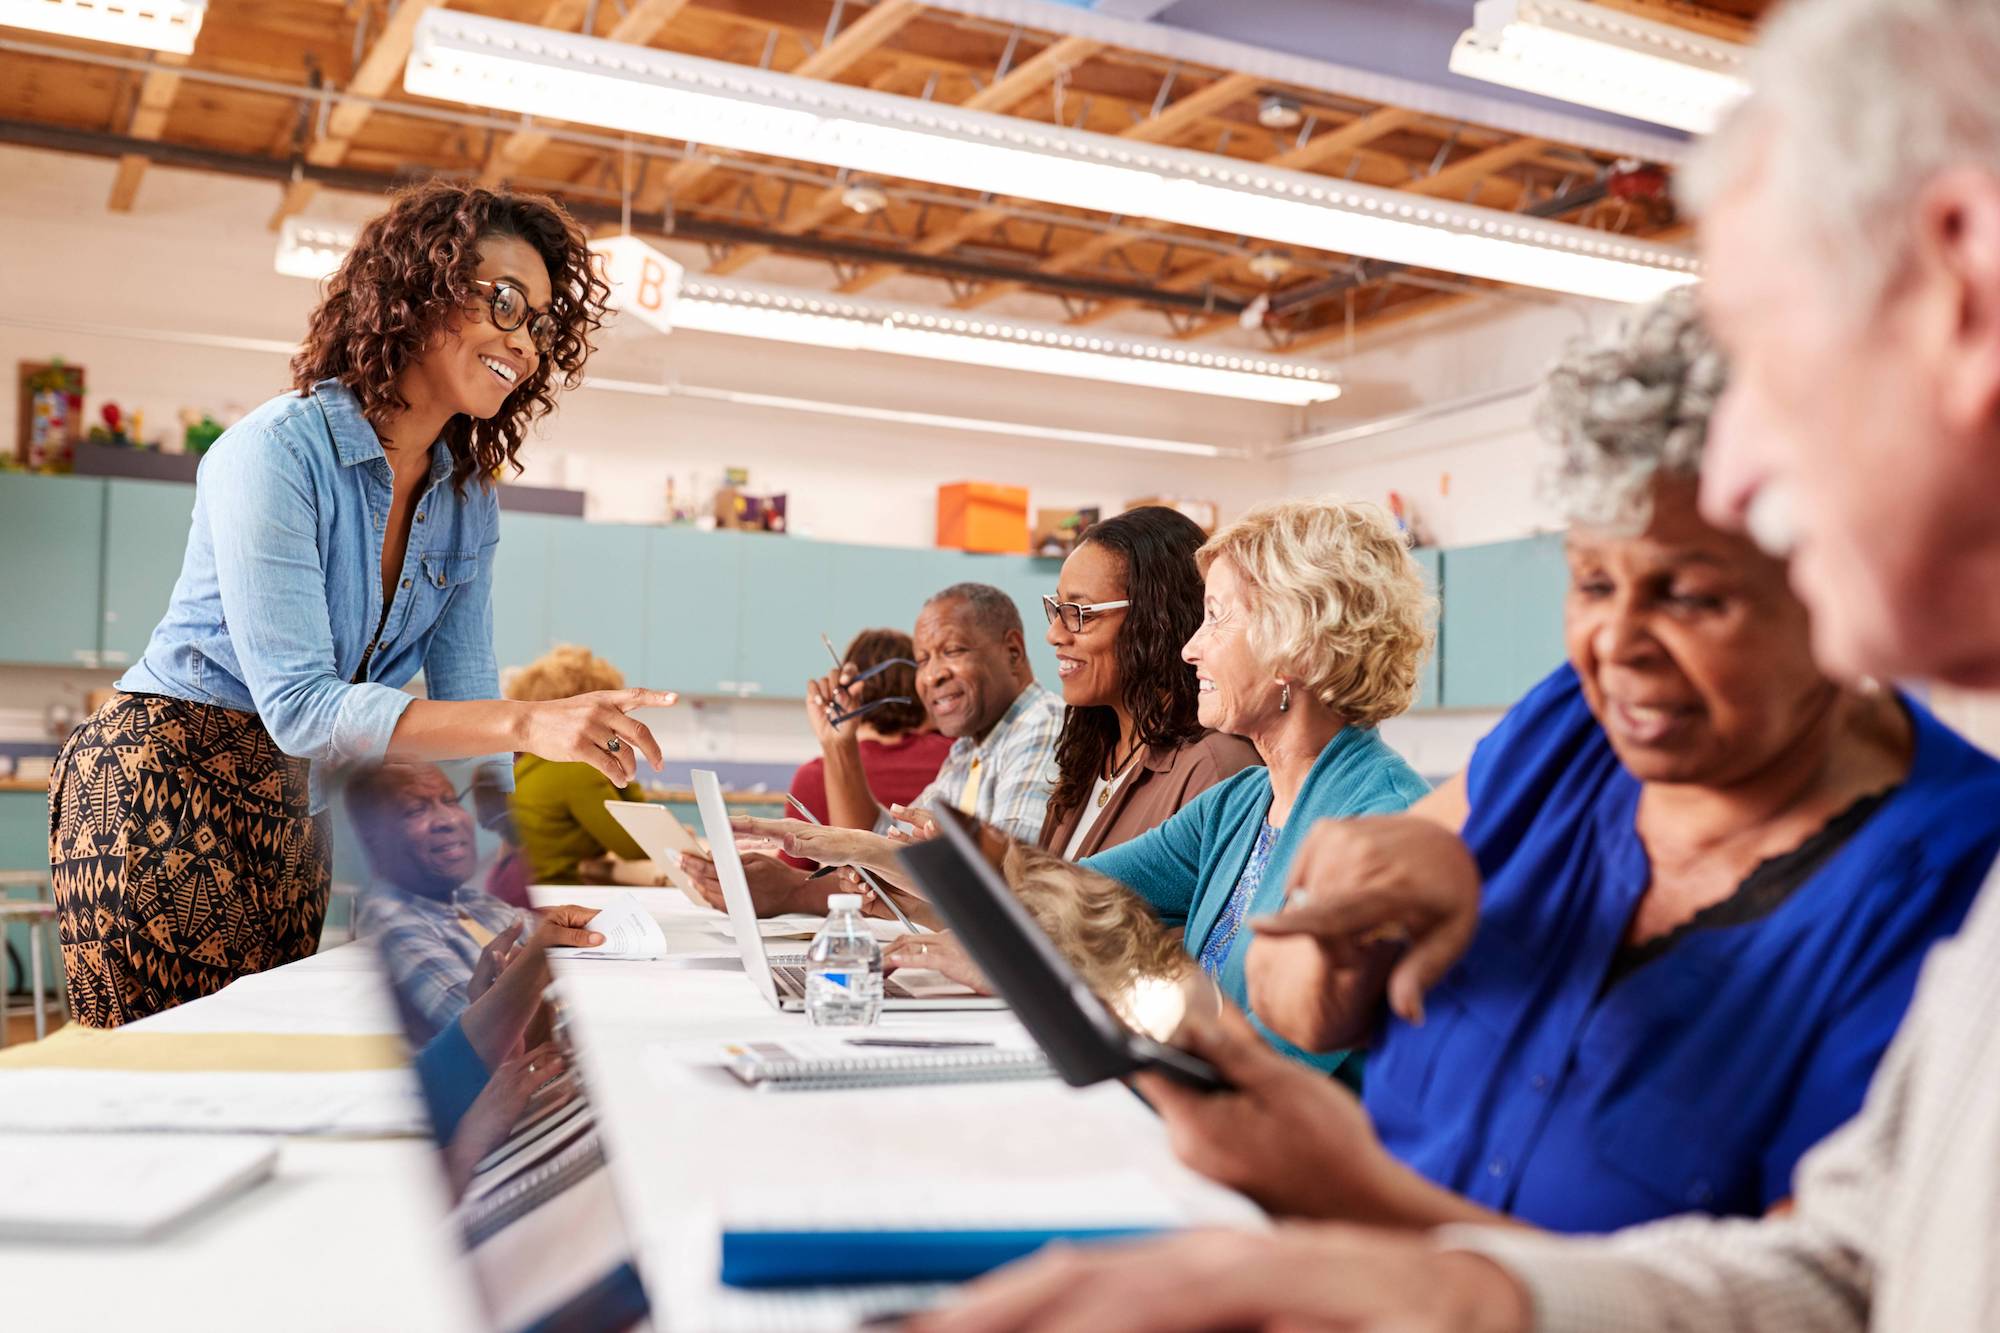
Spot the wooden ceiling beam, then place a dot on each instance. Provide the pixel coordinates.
(1184, 112)
(1468, 173)
(378, 71)
(829, 203)
(1349, 138)
(857, 40)
(519, 148)
(1032, 75)
(149, 119)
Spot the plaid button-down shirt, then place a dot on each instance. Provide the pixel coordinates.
(426, 943)
(1005, 780)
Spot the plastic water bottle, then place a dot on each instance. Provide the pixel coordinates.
(844, 968)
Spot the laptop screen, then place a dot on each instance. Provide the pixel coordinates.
(543, 1242)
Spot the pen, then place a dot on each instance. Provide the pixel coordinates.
(917, 1043)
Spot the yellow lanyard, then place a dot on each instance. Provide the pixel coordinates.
(968, 800)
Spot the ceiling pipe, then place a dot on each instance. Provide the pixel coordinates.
(692, 392)
(98, 143)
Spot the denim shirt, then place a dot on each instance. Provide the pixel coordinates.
(280, 592)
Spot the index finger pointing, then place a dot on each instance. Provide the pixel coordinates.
(631, 699)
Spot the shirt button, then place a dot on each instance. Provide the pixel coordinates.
(440, 580)
(420, 516)
(1497, 1167)
(1539, 1082)
(406, 583)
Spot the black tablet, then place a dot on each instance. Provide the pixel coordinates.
(1083, 1039)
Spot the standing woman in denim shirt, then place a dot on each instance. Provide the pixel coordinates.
(342, 543)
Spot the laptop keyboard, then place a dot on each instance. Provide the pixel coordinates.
(791, 978)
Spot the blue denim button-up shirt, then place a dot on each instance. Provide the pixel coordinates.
(280, 591)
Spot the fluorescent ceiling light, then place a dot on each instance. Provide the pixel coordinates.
(163, 25)
(752, 310)
(313, 249)
(640, 90)
(1593, 56)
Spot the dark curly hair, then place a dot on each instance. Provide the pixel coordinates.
(411, 272)
(1157, 545)
(872, 647)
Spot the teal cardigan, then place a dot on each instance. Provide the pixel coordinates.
(1187, 867)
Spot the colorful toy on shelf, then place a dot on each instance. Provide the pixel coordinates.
(51, 414)
(117, 429)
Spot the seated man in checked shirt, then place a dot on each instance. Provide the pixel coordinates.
(975, 680)
(423, 855)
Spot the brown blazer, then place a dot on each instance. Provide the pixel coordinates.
(1165, 781)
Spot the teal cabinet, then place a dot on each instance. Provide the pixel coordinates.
(1430, 561)
(51, 544)
(696, 609)
(146, 526)
(787, 584)
(600, 597)
(1503, 619)
(521, 588)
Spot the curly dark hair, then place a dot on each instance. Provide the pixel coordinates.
(411, 271)
(1158, 546)
(872, 647)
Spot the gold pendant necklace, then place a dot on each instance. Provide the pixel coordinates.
(1104, 793)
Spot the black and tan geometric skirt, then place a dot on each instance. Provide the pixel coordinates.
(182, 855)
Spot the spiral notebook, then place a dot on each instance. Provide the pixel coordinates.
(811, 1064)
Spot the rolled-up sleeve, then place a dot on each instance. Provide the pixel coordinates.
(459, 663)
(271, 577)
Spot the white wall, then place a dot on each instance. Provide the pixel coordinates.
(194, 256)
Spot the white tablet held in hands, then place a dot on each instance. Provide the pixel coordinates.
(663, 838)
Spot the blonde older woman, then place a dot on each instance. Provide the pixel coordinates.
(1314, 622)
(559, 815)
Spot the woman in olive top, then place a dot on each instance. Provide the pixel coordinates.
(559, 813)
(342, 542)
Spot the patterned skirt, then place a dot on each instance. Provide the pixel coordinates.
(182, 854)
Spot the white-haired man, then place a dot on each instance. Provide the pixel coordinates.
(1852, 237)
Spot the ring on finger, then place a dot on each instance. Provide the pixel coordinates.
(614, 745)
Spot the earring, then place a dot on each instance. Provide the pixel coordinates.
(1285, 699)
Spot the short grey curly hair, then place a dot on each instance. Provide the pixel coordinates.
(1620, 411)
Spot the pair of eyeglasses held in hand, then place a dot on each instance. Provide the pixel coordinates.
(834, 716)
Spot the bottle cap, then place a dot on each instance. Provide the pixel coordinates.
(843, 902)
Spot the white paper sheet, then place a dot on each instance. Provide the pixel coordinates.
(629, 931)
(122, 1187)
(365, 1102)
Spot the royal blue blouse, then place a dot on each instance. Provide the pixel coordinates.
(1696, 1080)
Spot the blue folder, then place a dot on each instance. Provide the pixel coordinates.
(844, 1258)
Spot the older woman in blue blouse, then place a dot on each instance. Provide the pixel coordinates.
(1706, 876)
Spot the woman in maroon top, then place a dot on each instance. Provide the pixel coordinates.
(891, 746)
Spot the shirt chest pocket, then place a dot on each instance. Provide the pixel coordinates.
(441, 577)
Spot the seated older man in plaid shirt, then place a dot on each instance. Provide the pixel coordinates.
(420, 904)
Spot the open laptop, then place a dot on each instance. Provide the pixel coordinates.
(1083, 1039)
(781, 978)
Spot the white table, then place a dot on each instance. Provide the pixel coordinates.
(350, 1235)
(680, 1139)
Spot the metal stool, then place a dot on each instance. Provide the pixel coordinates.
(40, 918)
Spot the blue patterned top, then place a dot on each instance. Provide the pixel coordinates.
(1215, 950)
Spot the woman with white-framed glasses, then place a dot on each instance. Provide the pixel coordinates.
(1299, 629)
(342, 543)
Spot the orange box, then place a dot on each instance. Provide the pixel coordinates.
(979, 516)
